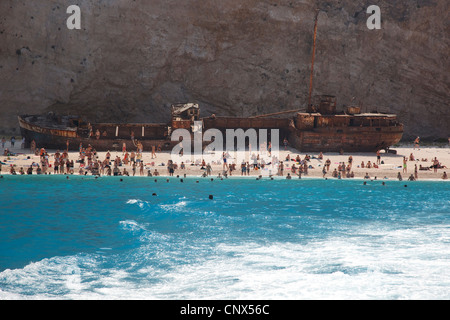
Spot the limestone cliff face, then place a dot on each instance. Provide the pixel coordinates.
(132, 59)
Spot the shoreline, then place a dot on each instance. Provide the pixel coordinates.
(388, 170)
(207, 179)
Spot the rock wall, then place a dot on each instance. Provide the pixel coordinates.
(132, 59)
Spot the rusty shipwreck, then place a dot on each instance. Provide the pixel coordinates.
(54, 131)
(319, 129)
(322, 129)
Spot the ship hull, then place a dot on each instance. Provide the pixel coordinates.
(351, 139)
(335, 133)
(53, 138)
(307, 132)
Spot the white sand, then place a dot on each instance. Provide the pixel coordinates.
(391, 167)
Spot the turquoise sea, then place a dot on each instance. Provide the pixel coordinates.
(88, 238)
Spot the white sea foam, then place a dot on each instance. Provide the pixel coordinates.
(132, 201)
(141, 204)
(337, 268)
(131, 225)
(174, 207)
(373, 264)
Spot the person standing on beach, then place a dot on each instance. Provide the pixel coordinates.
(138, 157)
(416, 143)
(327, 164)
(404, 164)
(33, 147)
(3, 142)
(170, 168)
(62, 165)
(285, 142)
(56, 165)
(350, 161)
(378, 157)
(13, 140)
(153, 151)
(416, 175)
(224, 159)
(435, 164)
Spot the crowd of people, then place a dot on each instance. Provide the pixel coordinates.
(131, 163)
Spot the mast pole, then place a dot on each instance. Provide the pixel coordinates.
(312, 60)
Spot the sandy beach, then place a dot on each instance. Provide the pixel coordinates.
(389, 167)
